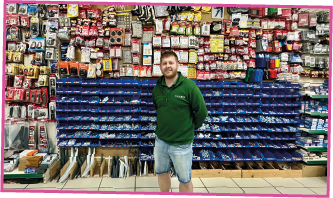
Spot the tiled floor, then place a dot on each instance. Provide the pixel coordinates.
(300, 186)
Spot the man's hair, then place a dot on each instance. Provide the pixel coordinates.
(169, 53)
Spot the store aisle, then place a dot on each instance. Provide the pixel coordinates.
(307, 185)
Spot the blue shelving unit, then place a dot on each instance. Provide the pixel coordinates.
(234, 109)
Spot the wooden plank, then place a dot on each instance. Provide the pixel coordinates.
(72, 171)
(295, 172)
(63, 170)
(121, 152)
(92, 168)
(83, 167)
(102, 168)
(231, 170)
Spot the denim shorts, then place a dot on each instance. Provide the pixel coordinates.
(180, 156)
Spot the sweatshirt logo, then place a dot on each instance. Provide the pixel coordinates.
(179, 96)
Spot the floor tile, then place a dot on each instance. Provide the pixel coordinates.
(108, 182)
(225, 190)
(147, 190)
(197, 183)
(319, 191)
(117, 189)
(299, 191)
(251, 182)
(52, 184)
(90, 182)
(15, 186)
(58, 189)
(261, 191)
(147, 182)
(284, 182)
(219, 182)
(195, 190)
(313, 182)
(80, 189)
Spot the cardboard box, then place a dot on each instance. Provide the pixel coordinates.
(313, 170)
(29, 162)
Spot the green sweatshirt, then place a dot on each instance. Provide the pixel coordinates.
(180, 108)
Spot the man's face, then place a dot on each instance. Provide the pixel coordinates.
(169, 67)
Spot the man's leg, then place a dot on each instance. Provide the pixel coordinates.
(164, 182)
(162, 165)
(181, 157)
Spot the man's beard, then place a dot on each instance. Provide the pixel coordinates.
(170, 75)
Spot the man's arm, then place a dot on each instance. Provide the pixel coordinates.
(153, 95)
(198, 105)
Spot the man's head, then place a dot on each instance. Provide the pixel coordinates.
(169, 64)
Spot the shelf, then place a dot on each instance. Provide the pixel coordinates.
(314, 148)
(319, 96)
(16, 174)
(314, 131)
(316, 162)
(317, 114)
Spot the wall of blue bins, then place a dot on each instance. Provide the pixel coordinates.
(246, 122)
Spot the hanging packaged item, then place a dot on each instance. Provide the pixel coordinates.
(142, 71)
(64, 68)
(91, 71)
(182, 28)
(205, 29)
(167, 24)
(217, 44)
(166, 42)
(147, 60)
(303, 19)
(175, 43)
(136, 59)
(147, 49)
(137, 29)
(157, 57)
(115, 64)
(148, 33)
(127, 56)
(175, 27)
(122, 71)
(156, 71)
(74, 68)
(157, 41)
(234, 32)
(184, 42)
(136, 45)
(118, 52)
(189, 29)
(183, 56)
(193, 57)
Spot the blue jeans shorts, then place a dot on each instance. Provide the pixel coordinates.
(180, 156)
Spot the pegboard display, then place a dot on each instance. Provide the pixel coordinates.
(91, 70)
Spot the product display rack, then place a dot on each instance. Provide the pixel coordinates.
(217, 105)
(309, 118)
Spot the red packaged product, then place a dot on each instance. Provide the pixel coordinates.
(273, 73)
(82, 14)
(85, 30)
(25, 21)
(303, 19)
(200, 75)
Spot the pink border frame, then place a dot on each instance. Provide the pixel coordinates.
(163, 4)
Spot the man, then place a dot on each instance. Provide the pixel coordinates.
(180, 110)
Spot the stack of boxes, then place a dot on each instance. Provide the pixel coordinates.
(316, 123)
(321, 90)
